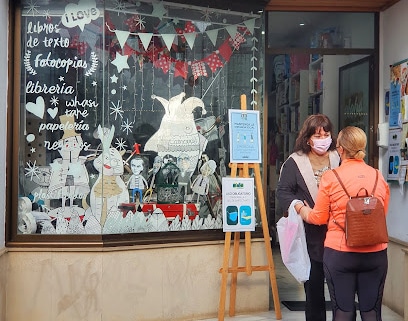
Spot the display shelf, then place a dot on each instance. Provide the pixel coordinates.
(324, 86)
(316, 76)
(298, 98)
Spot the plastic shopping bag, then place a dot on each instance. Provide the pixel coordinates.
(292, 243)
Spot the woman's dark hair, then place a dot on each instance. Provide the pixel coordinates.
(311, 125)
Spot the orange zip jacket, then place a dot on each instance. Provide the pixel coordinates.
(331, 201)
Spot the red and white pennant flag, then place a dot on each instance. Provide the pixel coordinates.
(213, 61)
(198, 69)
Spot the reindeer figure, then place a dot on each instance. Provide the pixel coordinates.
(109, 190)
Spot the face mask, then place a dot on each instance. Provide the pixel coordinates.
(320, 146)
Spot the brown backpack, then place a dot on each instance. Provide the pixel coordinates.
(365, 218)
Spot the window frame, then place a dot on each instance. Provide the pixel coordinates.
(13, 238)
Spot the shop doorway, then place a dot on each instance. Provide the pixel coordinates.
(309, 57)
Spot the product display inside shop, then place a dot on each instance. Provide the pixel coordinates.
(124, 114)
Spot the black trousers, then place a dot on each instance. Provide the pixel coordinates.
(314, 290)
(351, 273)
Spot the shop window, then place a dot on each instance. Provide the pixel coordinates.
(121, 105)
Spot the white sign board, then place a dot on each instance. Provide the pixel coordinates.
(238, 205)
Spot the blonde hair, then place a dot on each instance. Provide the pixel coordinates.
(354, 141)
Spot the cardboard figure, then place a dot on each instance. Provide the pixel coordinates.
(183, 163)
(109, 190)
(201, 184)
(157, 164)
(69, 176)
(137, 183)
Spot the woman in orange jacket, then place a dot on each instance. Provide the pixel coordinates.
(350, 270)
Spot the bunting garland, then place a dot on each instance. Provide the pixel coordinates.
(163, 63)
(213, 61)
(180, 69)
(237, 41)
(198, 69)
(225, 50)
(170, 36)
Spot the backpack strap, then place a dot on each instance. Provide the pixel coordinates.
(375, 184)
(342, 185)
(344, 188)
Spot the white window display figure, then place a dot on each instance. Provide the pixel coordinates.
(109, 190)
(157, 164)
(137, 183)
(201, 184)
(69, 176)
(183, 163)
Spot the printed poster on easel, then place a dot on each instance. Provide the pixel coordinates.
(238, 204)
(245, 137)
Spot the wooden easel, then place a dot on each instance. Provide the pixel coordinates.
(248, 268)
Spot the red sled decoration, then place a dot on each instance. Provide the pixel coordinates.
(170, 211)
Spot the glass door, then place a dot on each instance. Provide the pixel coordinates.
(355, 96)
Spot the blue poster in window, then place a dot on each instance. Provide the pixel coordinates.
(244, 134)
(395, 103)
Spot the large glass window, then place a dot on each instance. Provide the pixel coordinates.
(123, 113)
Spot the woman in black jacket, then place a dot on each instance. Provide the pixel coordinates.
(314, 153)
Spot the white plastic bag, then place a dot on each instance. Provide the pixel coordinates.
(292, 243)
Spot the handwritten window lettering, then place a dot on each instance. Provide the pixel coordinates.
(107, 106)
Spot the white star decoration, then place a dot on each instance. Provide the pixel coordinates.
(94, 83)
(120, 62)
(61, 78)
(32, 150)
(127, 126)
(114, 79)
(116, 110)
(120, 144)
(32, 169)
(54, 101)
(159, 10)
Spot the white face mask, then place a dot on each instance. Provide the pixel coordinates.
(320, 146)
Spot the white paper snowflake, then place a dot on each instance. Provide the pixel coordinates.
(54, 101)
(46, 14)
(120, 144)
(32, 169)
(206, 16)
(32, 8)
(116, 110)
(119, 5)
(140, 22)
(127, 126)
